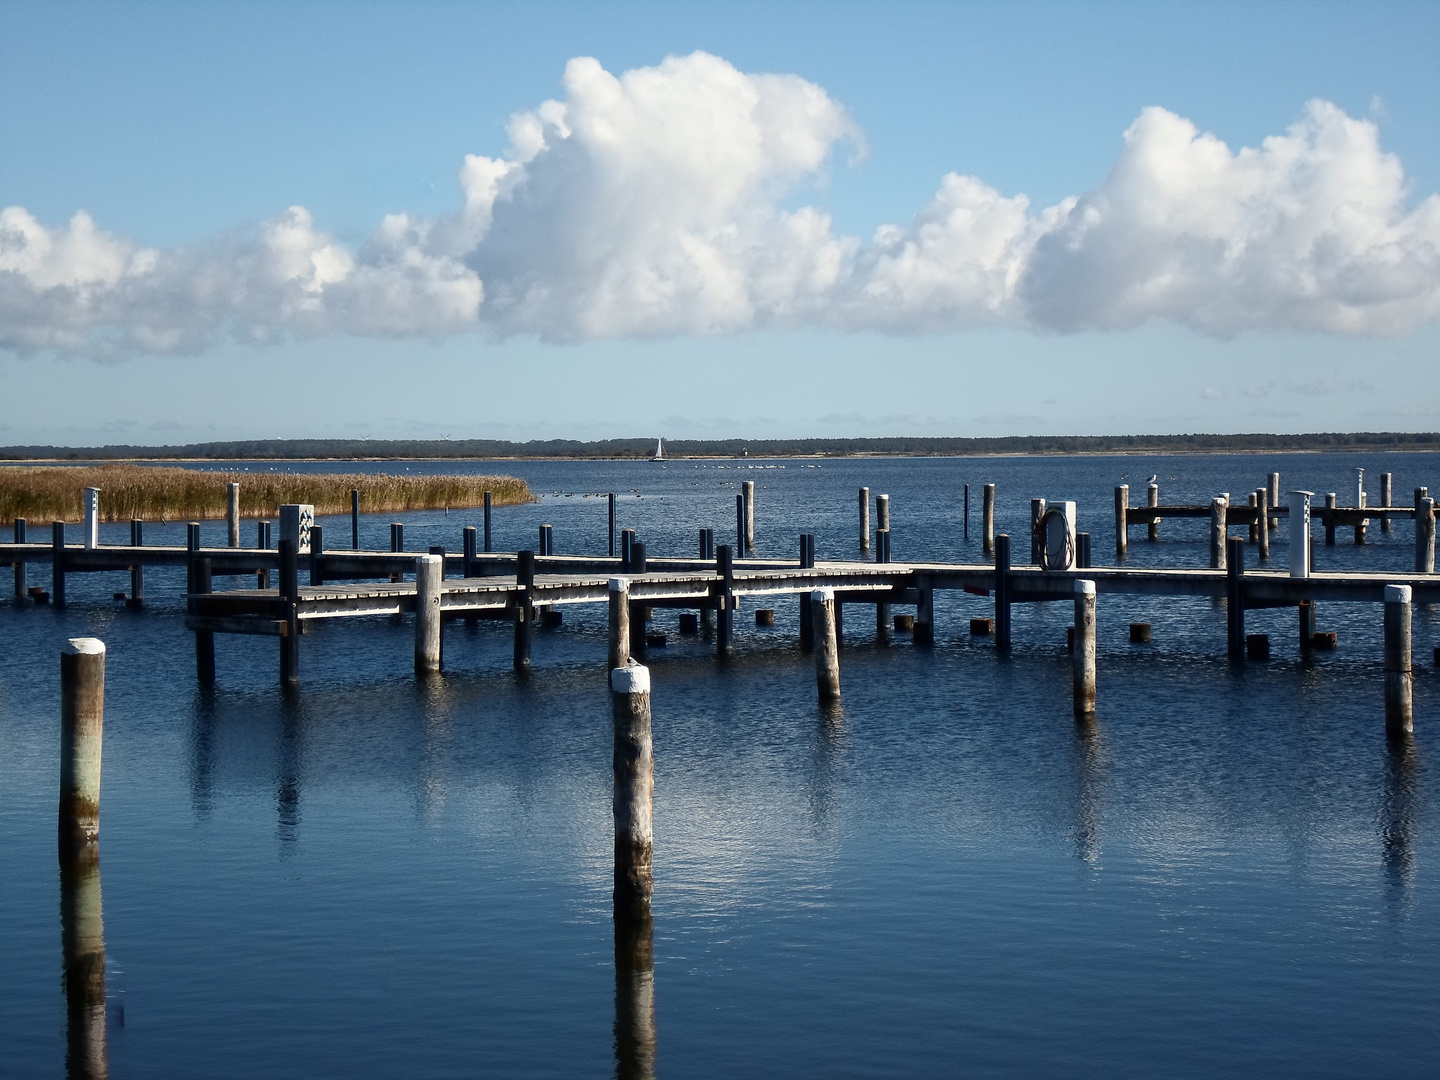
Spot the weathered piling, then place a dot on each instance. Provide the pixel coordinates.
(633, 762)
(924, 612)
(469, 544)
(1399, 718)
(882, 609)
(740, 525)
(82, 723)
(1082, 551)
(232, 515)
(21, 582)
(882, 513)
(486, 523)
(627, 541)
(747, 493)
(317, 549)
(1361, 501)
(1152, 498)
(827, 645)
(354, 519)
(610, 517)
(1272, 497)
(289, 588)
(1002, 592)
(1387, 490)
(1235, 600)
(524, 611)
(1082, 657)
(864, 519)
(1218, 508)
(1254, 501)
(639, 613)
(987, 520)
(967, 512)
(725, 614)
(57, 563)
(1330, 505)
(1037, 511)
(262, 541)
(429, 573)
(807, 560)
(82, 951)
(1122, 524)
(1425, 536)
(1300, 533)
(91, 502)
(1307, 626)
(619, 651)
(545, 541)
(137, 571)
(200, 585)
(1262, 523)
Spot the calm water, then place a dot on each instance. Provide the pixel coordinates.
(1229, 871)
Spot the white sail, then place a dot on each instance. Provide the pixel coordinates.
(659, 450)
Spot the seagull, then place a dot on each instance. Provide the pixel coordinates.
(1153, 478)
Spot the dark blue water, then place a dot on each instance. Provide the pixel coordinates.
(1230, 871)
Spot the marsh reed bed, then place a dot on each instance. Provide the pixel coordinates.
(53, 493)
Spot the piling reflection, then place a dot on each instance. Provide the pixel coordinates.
(1089, 763)
(1398, 816)
(287, 794)
(82, 947)
(202, 754)
(634, 992)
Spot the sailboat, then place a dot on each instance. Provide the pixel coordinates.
(659, 450)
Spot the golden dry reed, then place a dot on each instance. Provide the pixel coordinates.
(41, 494)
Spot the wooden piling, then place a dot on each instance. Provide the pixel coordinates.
(1254, 501)
(724, 614)
(739, 525)
(469, 542)
(57, 563)
(524, 610)
(864, 519)
(1307, 626)
(137, 571)
(1330, 504)
(317, 549)
(827, 645)
(1218, 508)
(924, 612)
(967, 512)
(1361, 501)
(1122, 524)
(1399, 717)
(1262, 523)
(619, 652)
(987, 520)
(354, 519)
(1082, 551)
(1425, 536)
(633, 762)
(429, 574)
(1002, 592)
(610, 500)
(1152, 498)
(807, 560)
(747, 493)
(1387, 491)
(21, 582)
(262, 541)
(627, 542)
(92, 518)
(1235, 600)
(1272, 493)
(82, 722)
(204, 639)
(882, 513)
(1082, 657)
(289, 588)
(232, 515)
(486, 523)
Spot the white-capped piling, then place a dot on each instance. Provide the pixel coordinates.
(1331, 504)
(1300, 533)
(1152, 500)
(1219, 506)
(987, 520)
(92, 518)
(827, 645)
(1122, 523)
(1399, 719)
(1387, 491)
(429, 575)
(82, 724)
(1262, 523)
(1272, 497)
(232, 515)
(864, 519)
(619, 651)
(1082, 657)
(882, 513)
(747, 492)
(1425, 536)
(633, 761)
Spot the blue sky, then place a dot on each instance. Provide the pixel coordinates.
(559, 302)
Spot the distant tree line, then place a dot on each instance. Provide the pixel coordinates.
(386, 449)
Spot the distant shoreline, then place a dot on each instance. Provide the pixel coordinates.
(641, 449)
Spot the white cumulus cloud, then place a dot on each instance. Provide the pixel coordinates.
(659, 202)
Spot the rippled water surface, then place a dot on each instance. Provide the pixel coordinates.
(1230, 871)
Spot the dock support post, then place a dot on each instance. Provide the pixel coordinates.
(1002, 592)
(317, 549)
(524, 607)
(1272, 492)
(57, 563)
(1399, 719)
(619, 653)
(354, 519)
(487, 523)
(429, 573)
(262, 541)
(22, 585)
(924, 633)
(1262, 523)
(864, 519)
(1330, 505)
(1122, 525)
(232, 515)
(1235, 600)
(967, 512)
(1082, 658)
(204, 639)
(1387, 491)
(807, 624)
(289, 592)
(747, 491)
(92, 518)
(610, 501)
(740, 525)
(1152, 499)
(882, 513)
(1254, 501)
(1037, 511)
(827, 646)
(725, 615)
(1307, 626)
(137, 571)
(987, 520)
(82, 723)
(1218, 507)
(634, 766)
(467, 551)
(1300, 533)
(1425, 536)
(638, 612)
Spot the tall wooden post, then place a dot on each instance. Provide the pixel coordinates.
(882, 513)
(1082, 657)
(1002, 592)
(1399, 717)
(619, 652)
(468, 546)
(740, 525)
(967, 512)
(1386, 499)
(524, 609)
(22, 585)
(827, 645)
(57, 563)
(137, 571)
(633, 761)
(354, 519)
(1152, 499)
(807, 561)
(1272, 492)
(317, 550)
(429, 579)
(610, 501)
(1361, 502)
(724, 615)
(925, 612)
(1330, 505)
(747, 492)
(1254, 501)
(487, 523)
(1122, 524)
(290, 593)
(864, 519)
(204, 639)
(1262, 520)
(232, 515)
(1425, 536)
(1218, 508)
(1235, 600)
(1307, 626)
(987, 519)
(262, 542)
(82, 723)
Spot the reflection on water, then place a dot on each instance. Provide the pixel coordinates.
(287, 794)
(634, 993)
(1089, 762)
(1398, 813)
(82, 947)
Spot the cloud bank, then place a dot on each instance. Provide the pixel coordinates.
(654, 204)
